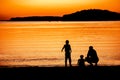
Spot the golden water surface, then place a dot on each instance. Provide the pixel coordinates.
(40, 43)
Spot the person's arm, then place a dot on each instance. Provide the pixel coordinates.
(70, 49)
(62, 48)
(88, 54)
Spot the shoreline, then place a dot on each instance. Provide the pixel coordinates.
(60, 21)
(62, 65)
(47, 66)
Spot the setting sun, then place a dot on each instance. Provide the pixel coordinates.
(16, 8)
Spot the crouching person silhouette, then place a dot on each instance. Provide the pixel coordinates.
(92, 56)
(81, 61)
(68, 51)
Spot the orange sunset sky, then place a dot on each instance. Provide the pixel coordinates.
(21, 8)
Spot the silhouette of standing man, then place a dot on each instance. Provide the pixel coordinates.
(68, 51)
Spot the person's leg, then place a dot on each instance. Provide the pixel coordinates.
(96, 64)
(70, 61)
(87, 59)
(91, 64)
(65, 61)
(91, 61)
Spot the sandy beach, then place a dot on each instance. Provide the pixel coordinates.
(60, 73)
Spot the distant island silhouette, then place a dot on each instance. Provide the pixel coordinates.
(83, 15)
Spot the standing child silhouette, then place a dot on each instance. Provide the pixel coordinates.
(68, 51)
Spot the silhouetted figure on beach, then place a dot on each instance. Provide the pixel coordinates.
(92, 56)
(81, 61)
(68, 51)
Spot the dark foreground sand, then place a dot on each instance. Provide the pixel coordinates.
(60, 73)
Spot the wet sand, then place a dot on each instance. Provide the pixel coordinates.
(60, 73)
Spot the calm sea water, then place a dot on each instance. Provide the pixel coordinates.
(40, 43)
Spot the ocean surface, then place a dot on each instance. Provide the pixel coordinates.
(39, 43)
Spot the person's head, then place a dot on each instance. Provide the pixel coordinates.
(67, 41)
(90, 47)
(81, 56)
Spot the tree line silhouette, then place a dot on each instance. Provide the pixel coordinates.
(83, 15)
